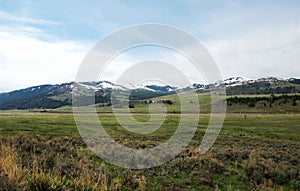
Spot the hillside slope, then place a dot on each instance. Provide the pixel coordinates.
(55, 96)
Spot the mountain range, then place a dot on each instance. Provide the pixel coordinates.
(58, 95)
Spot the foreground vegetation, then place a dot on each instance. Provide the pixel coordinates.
(43, 151)
(57, 163)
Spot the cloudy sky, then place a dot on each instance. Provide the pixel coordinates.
(45, 41)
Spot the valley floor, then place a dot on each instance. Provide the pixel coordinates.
(43, 151)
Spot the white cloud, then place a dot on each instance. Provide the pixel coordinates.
(272, 51)
(157, 58)
(26, 61)
(249, 40)
(11, 17)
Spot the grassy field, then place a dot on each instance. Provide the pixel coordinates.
(274, 126)
(43, 151)
(260, 103)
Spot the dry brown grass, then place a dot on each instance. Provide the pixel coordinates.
(93, 181)
(11, 171)
(60, 163)
(37, 176)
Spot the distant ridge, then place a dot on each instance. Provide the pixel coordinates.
(58, 95)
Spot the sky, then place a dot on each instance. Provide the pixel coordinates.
(44, 42)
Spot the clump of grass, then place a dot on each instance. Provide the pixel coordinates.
(44, 181)
(93, 181)
(142, 183)
(115, 184)
(39, 178)
(268, 185)
(11, 172)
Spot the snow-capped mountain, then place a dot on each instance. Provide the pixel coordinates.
(109, 85)
(97, 85)
(235, 81)
(266, 85)
(160, 88)
(53, 96)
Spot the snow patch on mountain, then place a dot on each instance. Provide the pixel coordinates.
(141, 87)
(235, 81)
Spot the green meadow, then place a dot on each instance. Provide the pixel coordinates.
(274, 126)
